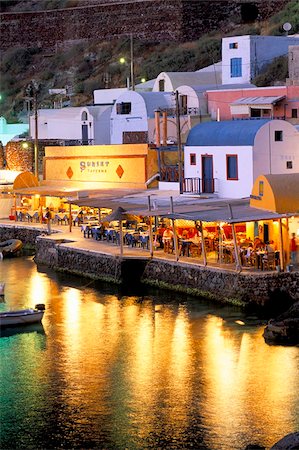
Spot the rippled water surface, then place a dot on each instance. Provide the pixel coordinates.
(108, 370)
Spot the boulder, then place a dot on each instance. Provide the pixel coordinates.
(289, 442)
(284, 330)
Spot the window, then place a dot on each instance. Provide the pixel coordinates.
(261, 188)
(183, 102)
(232, 167)
(294, 113)
(192, 159)
(161, 85)
(233, 45)
(289, 164)
(84, 115)
(278, 136)
(236, 67)
(123, 108)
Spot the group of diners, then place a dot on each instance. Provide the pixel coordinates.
(134, 234)
(252, 253)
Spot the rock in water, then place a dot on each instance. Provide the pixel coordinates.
(289, 442)
(284, 330)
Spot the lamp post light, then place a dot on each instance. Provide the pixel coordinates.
(122, 60)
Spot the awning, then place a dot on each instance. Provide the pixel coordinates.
(228, 213)
(263, 100)
(221, 211)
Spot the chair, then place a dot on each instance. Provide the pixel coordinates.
(136, 240)
(268, 261)
(195, 249)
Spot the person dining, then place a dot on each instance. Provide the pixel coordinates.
(167, 239)
(249, 255)
(183, 247)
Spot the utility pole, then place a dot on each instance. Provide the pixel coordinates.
(132, 62)
(35, 134)
(32, 92)
(179, 142)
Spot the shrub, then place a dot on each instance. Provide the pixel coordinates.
(277, 70)
(16, 60)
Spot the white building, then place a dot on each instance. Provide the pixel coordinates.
(194, 99)
(86, 124)
(107, 96)
(170, 81)
(243, 57)
(132, 117)
(226, 157)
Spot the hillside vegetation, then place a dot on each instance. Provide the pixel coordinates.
(86, 67)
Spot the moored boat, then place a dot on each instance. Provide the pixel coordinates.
(22, 316)
(2, 286)
(10, 247)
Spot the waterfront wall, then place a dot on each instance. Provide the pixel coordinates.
(26, 235)
(88, 263)
(244, 289)
(259, 289)
(276, 290)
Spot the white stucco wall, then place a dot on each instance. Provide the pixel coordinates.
(107, 96)
(102, 127)
(271, 156)
(195, 99)
(255, 51)
(243, 51)
(135, 121)
(66, 124)
(224, 188)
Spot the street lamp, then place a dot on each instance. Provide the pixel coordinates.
(123, 61)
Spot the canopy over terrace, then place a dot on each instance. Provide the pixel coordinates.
(231, 212)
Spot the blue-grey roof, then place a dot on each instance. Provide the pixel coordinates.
(230, 132)
(157, 100)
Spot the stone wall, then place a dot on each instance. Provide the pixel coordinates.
(225, 286)
(87, 263)
(18, 157)
(25, 234)
(151, 20)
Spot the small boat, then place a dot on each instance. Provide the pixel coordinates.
(10, 247)
(2, 286)
(23, 316)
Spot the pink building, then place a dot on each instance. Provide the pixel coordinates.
(265, 102)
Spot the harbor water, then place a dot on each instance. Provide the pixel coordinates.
(116, 369)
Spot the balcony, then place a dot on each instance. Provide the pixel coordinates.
(199, 185)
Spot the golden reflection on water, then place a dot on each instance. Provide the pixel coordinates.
(155, 358)
(148, 367)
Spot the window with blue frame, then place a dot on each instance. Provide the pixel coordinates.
(236, 67)
(232, 167)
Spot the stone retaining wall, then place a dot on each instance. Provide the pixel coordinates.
(152, 20)
(26, 235)
(261, 289)
(88, 263)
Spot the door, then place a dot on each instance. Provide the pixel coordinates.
(266, 232)
(207, 174)
(85, 134)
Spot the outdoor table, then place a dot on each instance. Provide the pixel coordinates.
(30, 215)
(86, 229)
(185, 246)
(259, 259)
(61, 217)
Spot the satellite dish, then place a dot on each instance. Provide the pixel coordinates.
(287, 26)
